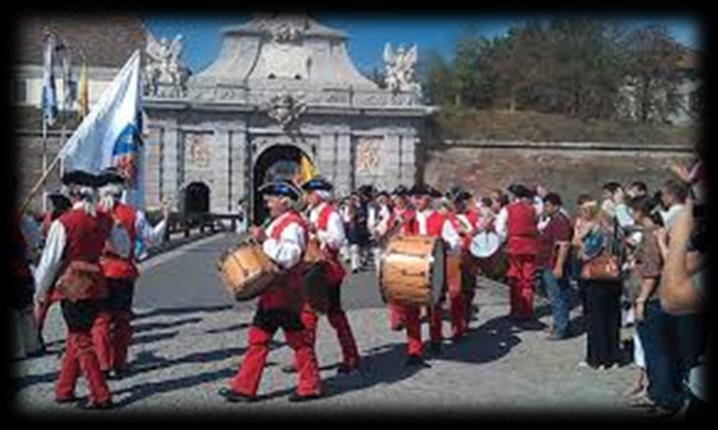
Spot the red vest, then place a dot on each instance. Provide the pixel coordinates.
(521, 227)
(434, 224)
(85, 239)
(277, 297)
(114, 266)
(409, 225)
(333, 268)
(472, 217)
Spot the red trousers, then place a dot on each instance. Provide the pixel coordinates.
(396, 316)
(79, 358)
(412, 320)
(457, 311)
(339, 322)
(522, 268)
(112, 336)
(247, 379)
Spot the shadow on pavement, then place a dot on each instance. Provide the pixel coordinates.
(182, 310)
(234, 327)
(163, 325)
(490, 341)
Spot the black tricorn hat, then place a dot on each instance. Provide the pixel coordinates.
(80, 177)
(112, 175)
(283, 188)
(59, 200)
(400, 190)
(317, 183)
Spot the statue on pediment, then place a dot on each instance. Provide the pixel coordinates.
(164, 67)
(400, 68)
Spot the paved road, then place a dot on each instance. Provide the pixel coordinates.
(189, 340)
(188, 278)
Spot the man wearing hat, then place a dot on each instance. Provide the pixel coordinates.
(429, 223)
(402, 220)
(113, 332)
(516, 223)
(284, 242)
(466, 219)
(74, 245)
(380, 222)
(358, 234)
(326, 225)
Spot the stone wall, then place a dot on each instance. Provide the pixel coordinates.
(567, 168)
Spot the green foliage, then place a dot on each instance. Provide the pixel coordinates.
(581, 68)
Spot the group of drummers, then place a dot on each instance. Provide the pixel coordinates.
(430, 248)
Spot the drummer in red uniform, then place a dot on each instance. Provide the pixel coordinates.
(284, 242)
(401, 221)
(326, 225)
(428, 223)
(468, 218)
(517, 224)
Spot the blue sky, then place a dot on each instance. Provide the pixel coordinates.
(368, 34)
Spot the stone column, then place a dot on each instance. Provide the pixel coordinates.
(408, 159)
(390, 160)
(221, 162)
(344, 180)
(239, 155)
(172, 161)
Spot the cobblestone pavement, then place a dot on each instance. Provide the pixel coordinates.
(186, 349)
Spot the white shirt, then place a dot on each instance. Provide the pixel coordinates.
(334, 236)
(448, 232)
(380, 224)
(118, 241)
(500, 224)
(146, 233)
(623, 215)
(287, 250)
(670, 215)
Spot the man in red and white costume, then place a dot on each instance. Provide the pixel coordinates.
(516, 224)
(112, 334)
(468, 217)
(403, 219)
(326, 225)
(284, 242)
(80, 235)
(429, 223)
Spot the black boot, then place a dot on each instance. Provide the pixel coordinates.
(235, 397)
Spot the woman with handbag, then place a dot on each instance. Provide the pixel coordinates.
(600, 276)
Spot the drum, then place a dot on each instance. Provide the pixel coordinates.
(484, 244)
(246, 271)
(412, 270)
(495, 267)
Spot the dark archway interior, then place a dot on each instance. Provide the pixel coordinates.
(195, 198)
(277, 162)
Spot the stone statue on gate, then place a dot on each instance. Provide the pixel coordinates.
(164, 68)
(400, 68)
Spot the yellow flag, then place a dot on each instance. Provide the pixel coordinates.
(84, 91)
(307, 169)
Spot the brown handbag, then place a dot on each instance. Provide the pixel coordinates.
(82, 280)
(602, 267)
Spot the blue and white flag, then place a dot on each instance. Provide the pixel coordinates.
(49, 96)
(111, 134)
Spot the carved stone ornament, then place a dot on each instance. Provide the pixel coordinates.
(367, 155)
(284, 30)
(285, 108)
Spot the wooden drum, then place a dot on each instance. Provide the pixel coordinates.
(412, 270)
(246, 271)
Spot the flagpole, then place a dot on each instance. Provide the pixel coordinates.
(44, 162)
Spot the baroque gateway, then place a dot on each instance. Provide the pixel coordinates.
(282, 88)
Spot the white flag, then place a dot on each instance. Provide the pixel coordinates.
(49, 96)
(110, 135)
